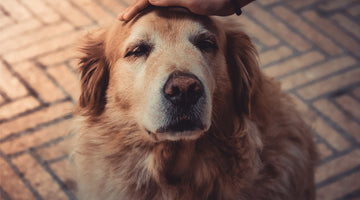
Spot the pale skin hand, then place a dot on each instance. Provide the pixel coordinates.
(201, 7)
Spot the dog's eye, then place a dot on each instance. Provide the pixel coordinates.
(141, 49)
(206, 45)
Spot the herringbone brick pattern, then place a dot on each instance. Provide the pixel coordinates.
(311, 46)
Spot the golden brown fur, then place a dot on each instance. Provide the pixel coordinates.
(256, 147)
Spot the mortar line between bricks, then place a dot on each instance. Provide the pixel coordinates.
(33, 110)
(337, 177)
(336, 155)
(281, 41)
(5, 97)
(37, 147)
(334, 40)
(273, 47)
(346, 113)
(327, 144)
(258, 43)
(106, 9)
(3, 194)
(291, 56)
(53, 80)
(58, 159)
(82, 11)
(45, 39)
(22, 178)
(315, 46)
(34, 128)
(14, 99)
(351, 195)
(292, 29)
(320, 138)
(333, 74)
(30, 90)
(354, 97)
(341, 90)
(27, 112)
(31, 12)
(320, 62)
(336, 127)
(47, 168)
(337, 25)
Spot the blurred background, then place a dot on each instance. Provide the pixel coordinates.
(311, 46)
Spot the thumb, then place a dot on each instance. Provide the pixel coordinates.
(165, 3)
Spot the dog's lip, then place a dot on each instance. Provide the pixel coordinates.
(181, 126)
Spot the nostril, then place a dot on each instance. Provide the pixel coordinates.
(183, 89)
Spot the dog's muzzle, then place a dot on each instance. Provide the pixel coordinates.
(184, 96)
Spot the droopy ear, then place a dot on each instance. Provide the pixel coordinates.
(243, 69)
(94, 71)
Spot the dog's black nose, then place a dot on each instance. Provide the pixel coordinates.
(183, 89)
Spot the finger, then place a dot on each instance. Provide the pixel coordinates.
(165, 3)
(133, 9)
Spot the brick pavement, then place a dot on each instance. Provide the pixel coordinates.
(311, 46)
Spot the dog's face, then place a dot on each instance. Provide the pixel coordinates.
(163, 71)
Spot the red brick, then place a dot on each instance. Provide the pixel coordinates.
(37, 79)
(115, 6)
(57, 150)
(338, 35)
(59, 56)
(43, 47)
(96, 11)
(277, 27)
(12, 184)
(347, 24)
(274, 55)
(5, 21)
(67, 79)
(357, 92)
(323, 150)
(42, 11)
(65, 170)
(268, 2)
(34, 119)
(71, 13)
(331, 84)
(33, 37)
(297, 23)
(2, 100)
(340, 188)
(36, 138)
(321, 127)
(15, 9)
(300, 4)
(348, 103)
(19, 28)
(293, 64)
(317, 72)
(10, 84)
(19, 106)
(39, 178)
(346, 123)
(333, 5)
(337, 166)
(354, 10)
(258, 32)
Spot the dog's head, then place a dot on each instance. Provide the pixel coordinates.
(169, 72)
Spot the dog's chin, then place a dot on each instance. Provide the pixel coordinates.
(182, 135)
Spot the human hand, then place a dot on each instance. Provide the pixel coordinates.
(201, 7)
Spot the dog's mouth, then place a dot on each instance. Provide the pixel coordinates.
(181, 129)
(181, 126)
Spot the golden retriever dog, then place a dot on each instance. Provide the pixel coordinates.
(174, 106)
